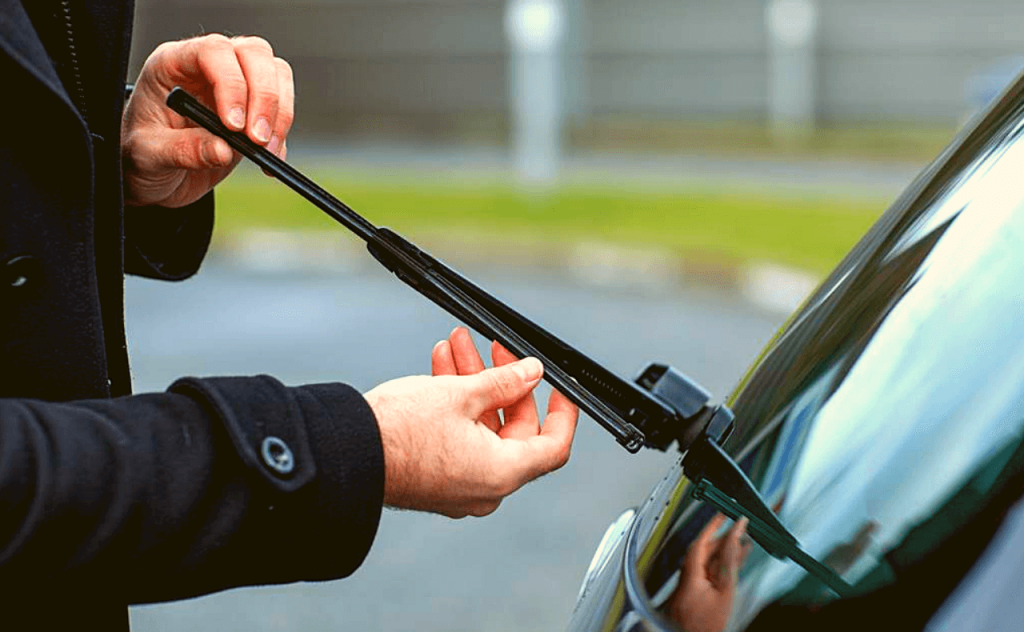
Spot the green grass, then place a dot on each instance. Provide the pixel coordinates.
(810, 233)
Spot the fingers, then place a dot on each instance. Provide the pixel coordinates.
(256, 59)
(521, 421)
(562, 417)
(731, 556)
(467, 358)
(701, 548)
(437, 417)
(468, 362)
(211, 60)
(251, 88)
(509, 386)
(558, 431)
(559, 428)
(549, 450)
(441, 360)
(285, 108)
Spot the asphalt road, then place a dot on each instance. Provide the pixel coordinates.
(519, 569)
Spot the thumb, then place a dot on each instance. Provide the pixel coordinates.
(502, 386)
(190, 148)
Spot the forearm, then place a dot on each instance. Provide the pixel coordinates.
(159, 496)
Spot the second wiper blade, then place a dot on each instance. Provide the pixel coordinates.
(632, 415)
(718, 480)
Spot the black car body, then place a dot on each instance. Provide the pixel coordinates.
(883, 424)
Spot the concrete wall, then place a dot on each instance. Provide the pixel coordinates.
(434, 62)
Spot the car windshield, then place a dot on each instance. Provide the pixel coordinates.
(891, 410)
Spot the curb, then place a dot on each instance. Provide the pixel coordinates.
(768, 286)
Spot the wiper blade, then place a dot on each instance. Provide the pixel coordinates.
(719, 481)
(633, 415)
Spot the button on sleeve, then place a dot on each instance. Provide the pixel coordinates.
(264, 423)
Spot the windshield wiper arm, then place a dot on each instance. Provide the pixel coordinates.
(635, 416)
(663, 406)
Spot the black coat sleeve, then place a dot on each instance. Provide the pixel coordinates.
(167, 496)
(167, 243)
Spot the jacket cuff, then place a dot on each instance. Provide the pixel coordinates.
(348, 494)
(168, 243)
(317, 454)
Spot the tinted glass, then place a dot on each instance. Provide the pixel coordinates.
(889, 413)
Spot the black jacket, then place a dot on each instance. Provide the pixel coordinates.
(108, 499)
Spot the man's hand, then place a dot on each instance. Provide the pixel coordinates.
(445, 447)
(168, 160)
(703, 600)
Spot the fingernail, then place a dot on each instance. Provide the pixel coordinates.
(236, 118)
(274, 143)
(453, 331)
(262, 130)
(530, 369)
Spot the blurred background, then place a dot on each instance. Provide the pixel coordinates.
(651, 74)
(655, 180)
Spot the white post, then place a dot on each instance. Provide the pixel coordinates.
(574, 78)
(792, 33)
(536, 29)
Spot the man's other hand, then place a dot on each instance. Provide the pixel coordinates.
(168, 160)
(446, 448)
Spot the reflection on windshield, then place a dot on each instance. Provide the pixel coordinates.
(793, 436)
(916, 575)
(922, 385)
